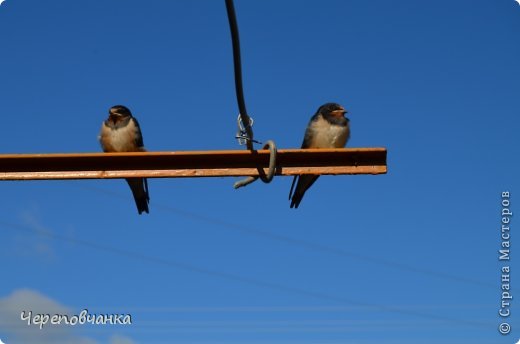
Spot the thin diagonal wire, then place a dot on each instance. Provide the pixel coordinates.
(317, 247)
(236, 278)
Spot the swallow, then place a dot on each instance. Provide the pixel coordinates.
(328, 128)
(121, 133)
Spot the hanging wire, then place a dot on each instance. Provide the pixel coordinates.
(235, 38)
(245, 123)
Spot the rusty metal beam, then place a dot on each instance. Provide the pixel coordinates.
(190, 164)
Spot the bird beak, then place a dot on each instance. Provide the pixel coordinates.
(339, 112)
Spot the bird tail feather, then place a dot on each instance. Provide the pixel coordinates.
(139, 187)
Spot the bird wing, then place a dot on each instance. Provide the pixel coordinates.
(138, 138)
(308, 138)
(304, 182)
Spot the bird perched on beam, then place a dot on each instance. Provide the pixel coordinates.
(121, 133)
(328, 128)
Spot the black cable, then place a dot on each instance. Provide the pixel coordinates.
(238, 72)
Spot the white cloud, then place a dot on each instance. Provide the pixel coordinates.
(14, 330)
(11, 308)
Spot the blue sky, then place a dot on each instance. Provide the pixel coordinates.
(406, 257)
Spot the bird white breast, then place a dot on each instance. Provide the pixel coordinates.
(327, 135)
(119, 140)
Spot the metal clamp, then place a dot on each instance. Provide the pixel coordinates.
(266, 178)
